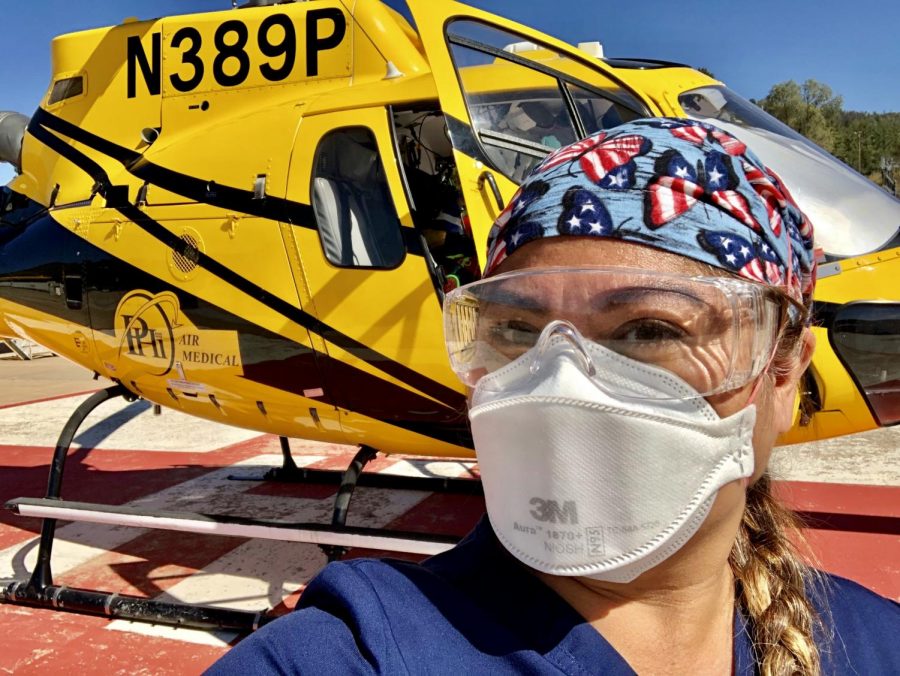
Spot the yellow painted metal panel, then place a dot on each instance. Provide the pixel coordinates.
(844, 411)
(256, 47)
(432, 18)
(63, 338)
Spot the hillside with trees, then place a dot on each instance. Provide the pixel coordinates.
(868, 142)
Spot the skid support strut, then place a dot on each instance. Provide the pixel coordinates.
(42, 576)
(289, 472)
(342, 500)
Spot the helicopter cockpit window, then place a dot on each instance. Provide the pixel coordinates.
(598, 113)
(519, 114)
(522, 108)
(355, 215)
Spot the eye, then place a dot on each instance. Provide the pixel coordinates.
(648, 331)
(515, 332)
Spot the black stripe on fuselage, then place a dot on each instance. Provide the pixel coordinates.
(295, 314)
(197, 189)
(447, 396)
(76, 157)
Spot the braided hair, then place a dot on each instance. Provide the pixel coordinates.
(772, 580)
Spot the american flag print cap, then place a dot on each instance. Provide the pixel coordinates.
(678, 185)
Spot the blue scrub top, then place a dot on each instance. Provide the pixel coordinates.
(474, 609)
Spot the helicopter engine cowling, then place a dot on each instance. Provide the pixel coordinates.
(12, 131)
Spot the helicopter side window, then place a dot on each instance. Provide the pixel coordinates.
(356, 218)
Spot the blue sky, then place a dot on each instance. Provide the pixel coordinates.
(852, 46)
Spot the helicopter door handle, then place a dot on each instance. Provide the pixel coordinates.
(491, 181)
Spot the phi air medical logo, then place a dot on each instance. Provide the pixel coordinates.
(145, 328)
(155, 338)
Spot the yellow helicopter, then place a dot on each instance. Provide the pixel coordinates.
(252, 216)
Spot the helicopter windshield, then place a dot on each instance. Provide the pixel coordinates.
(851, 215)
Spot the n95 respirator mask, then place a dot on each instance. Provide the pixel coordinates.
(604, 482)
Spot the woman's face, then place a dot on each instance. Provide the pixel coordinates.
(774, 398)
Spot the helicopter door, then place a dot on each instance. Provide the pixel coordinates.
(512, 95)
(370, 286)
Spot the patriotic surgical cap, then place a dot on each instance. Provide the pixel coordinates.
(682, 186)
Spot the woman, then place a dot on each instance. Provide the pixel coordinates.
(633, 352)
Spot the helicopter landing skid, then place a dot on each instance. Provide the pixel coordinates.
(335, 538)
(289, 472)
(352, 477)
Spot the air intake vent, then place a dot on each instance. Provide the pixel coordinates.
(186, 263)
(183, 262)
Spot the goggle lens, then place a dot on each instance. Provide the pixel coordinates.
(714, 333)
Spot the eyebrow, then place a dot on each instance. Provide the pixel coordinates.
(517, 300)
(603, 300)
(632, 294)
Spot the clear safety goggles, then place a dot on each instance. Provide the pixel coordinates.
(715, 333)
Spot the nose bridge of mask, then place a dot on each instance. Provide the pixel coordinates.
(595, 374)
(559, 335)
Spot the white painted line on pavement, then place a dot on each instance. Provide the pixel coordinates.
(216, 639)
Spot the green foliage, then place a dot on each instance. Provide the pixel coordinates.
(859, 139)
(810, 108)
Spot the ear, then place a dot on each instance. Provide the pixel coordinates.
(784, 392)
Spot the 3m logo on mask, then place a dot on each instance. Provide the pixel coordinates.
(549, 511)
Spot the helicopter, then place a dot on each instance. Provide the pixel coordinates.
(295, 287)
(252, 215)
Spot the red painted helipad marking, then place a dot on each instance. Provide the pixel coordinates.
(89, 648)
(870, 559)
(31, 635)
(105, 476)
(854, 530)
(841, 498)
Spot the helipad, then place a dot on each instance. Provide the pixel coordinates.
(126, 455)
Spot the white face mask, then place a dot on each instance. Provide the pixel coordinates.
(579, 481)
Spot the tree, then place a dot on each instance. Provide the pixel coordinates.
(865, 138)
(866, 141)
(811, 108)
